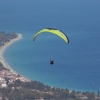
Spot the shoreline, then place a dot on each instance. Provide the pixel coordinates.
(6, 65)
(3, 48)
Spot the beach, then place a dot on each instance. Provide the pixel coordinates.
(4, 47)
(2, 59)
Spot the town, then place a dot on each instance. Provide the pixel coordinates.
(8, 77)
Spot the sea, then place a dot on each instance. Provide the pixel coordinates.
(77, 64)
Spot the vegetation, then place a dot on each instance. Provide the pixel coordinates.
(6, 37)
(35, 90)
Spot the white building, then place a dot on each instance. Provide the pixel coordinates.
(3, 85)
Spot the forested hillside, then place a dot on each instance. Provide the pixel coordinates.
(6, 37)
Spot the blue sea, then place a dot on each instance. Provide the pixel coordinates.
(77, 64)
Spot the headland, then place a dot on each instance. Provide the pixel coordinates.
(10, 72)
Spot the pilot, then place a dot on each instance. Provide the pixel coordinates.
(51, 62)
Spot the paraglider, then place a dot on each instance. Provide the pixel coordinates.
(54, 31)
(51, 62)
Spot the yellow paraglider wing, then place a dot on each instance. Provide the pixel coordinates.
(54, 31)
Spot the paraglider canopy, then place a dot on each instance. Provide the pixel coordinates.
(54, 31)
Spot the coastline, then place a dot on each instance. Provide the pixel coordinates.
(3, 48)
(2, 60)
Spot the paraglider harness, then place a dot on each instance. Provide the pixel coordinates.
(51, 62)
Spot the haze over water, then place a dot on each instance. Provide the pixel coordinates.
(77, 64)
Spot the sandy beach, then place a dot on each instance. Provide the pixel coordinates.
(3, 48)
